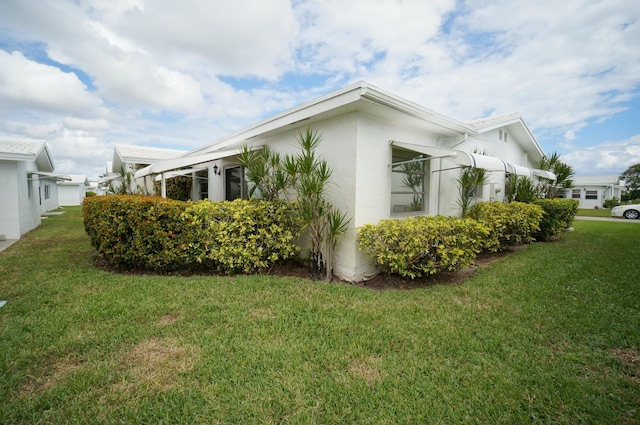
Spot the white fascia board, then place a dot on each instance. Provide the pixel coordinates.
(13, 156)
(345, 96)
(391, 101)
(294, 115)
(511, 119)
(185, 161)
(52, 176)
(177, 173)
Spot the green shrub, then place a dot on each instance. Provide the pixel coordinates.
(509, 224)
(164, 235)
(558, 216)
(241, 235)
(610, 203)
(89, 194)
(422, 245)
(131, 231)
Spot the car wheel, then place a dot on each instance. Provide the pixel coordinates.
(631, 214)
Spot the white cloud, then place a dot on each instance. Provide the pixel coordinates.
(349, 37)
(240, 38)
(125, 73)
(559, 64)
(611, 157)
(181, 74)
(25, 84)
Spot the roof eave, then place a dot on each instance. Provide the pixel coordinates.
(347, 95)
(299, 113)
(381, 97)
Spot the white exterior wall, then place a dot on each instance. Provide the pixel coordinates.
(604, 193)
(10, 211)
(373, 182)
(51, 203)
(71, 194)
(29, 203)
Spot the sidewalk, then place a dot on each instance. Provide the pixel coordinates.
(6, 243)
(616, 219)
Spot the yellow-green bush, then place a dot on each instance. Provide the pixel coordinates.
(509, 224)
(422, 245)
(558, 215)
(242, 235)
(163, 235)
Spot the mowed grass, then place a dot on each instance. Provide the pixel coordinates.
(592, 212)
(548, 334)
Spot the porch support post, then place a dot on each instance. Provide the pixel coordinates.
(195, 187)
(212, 188)
(163, 186)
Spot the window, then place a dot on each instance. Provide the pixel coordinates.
(235, 183)
(575, 193)
(47, 191)
(591, 194)
(408, 181)
(202, 177)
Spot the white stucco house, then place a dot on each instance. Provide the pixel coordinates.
(130, 158)
(28, 185)
(72, 192)
(369, 135)
(592, 191)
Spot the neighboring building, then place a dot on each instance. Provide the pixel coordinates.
(369, 136)
(72, 192)
(48, 192)
(27, 185)
(128, 159)
(592, 191)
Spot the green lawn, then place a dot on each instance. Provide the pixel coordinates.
(549, 334)
(601, 212)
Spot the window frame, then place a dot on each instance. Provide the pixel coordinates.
(409, 163)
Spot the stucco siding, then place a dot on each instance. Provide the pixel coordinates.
(28, 198)
(10, 211)
(71, 194)
(48, 195)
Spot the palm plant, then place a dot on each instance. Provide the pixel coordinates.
(563, 171)
(413, 178)
(309, 177)
(468, 181)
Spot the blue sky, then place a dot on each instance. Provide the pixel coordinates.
(87, 74)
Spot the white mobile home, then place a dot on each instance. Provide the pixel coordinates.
(592, 191)
(27, 185)
(72, 192)
(368, 134)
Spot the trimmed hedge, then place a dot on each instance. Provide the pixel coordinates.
(509, 224)
(558, 216)
(164, 235)
(241, 235)
(422, 245)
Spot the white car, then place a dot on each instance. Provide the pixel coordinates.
(626, 211)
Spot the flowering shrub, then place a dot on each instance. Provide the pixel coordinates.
(164, 235)
(422, 245)
(509, 224)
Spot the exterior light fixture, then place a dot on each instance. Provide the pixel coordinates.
(215, 170)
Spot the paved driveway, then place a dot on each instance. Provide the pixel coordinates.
(619, 220)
